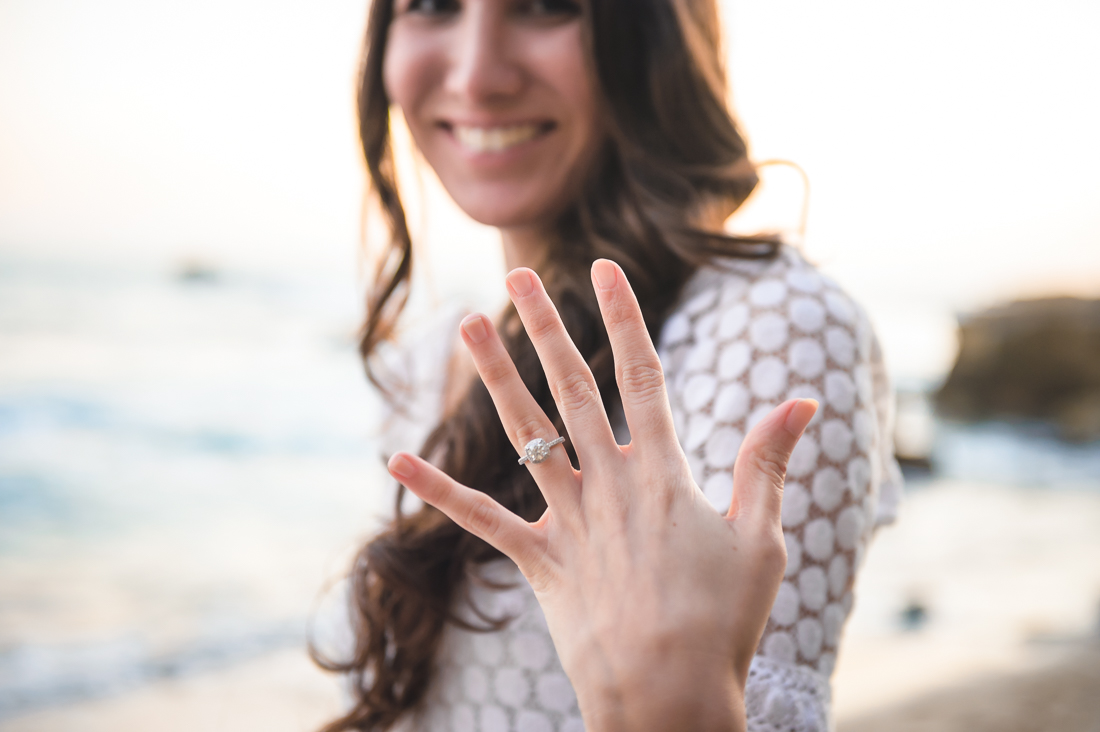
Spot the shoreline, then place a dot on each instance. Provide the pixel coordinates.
(281, 691)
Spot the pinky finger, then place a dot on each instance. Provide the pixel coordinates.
(472, 510)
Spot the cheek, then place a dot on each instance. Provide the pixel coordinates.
(558, 62)
(407, 68)
(563, 67)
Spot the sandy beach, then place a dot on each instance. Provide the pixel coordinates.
(1056, 694)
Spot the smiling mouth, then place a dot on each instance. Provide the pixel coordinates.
(496, 139)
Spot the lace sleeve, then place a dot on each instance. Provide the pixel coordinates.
(745, 338)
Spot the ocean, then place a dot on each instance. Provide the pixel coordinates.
(188, 458)
(184, 461)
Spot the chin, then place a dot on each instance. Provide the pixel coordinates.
(508, 211)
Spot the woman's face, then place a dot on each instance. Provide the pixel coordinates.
(500, 100)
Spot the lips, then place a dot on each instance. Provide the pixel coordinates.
(484, 139)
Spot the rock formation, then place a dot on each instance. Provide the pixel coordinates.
(1036, 360)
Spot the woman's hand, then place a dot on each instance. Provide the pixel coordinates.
(655, 601)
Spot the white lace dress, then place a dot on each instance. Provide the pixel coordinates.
(744, 337)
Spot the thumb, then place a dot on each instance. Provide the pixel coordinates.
(762, 461)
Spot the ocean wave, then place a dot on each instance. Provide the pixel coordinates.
(37, 676)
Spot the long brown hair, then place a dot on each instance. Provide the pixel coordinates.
(673, 159)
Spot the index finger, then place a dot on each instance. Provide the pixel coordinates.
(637, 368)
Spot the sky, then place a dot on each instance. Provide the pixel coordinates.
(219, 129)
(950, 146)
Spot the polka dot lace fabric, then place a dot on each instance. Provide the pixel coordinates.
(501, 681)
(745, 337)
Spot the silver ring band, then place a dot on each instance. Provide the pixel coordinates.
(538, 450)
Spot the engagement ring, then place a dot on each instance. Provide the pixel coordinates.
(538, 450)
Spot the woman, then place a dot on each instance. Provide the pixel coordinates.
(587, 132)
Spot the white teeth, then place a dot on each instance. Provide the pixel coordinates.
(494, 139)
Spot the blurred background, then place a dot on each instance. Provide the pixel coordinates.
(188, 448)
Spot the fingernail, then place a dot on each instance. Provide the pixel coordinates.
(401, 466)
(604, 273)
(521, 282)
(800, 415)
(474, 326)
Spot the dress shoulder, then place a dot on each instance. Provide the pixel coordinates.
(744, 337)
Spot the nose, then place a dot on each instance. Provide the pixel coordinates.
(482, 68)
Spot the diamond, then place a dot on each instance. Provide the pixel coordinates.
(537, 450)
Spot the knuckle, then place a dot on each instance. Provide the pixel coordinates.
(770, 462)
(495, 372)
(620, 310)
(642, 379)
(576, 392)
(529, 429)
(541, 324)
(481, 516)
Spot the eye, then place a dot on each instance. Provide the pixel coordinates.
(432, 7)
(550, 8)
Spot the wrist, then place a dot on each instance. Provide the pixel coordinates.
(663, 697)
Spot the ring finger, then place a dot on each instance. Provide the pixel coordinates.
(571, 382)
(522, 417)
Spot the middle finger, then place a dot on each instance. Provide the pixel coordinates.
(571, 382)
